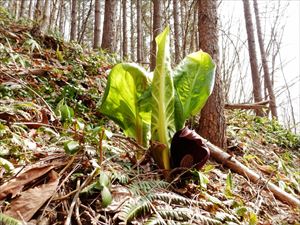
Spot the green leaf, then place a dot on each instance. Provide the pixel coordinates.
(162, 120)
(71, 147)
(193, 81)
(106, 196)
(8, 166)
(127, 82)
(104, 179)
(65, 112)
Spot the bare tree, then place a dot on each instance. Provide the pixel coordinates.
(73, 20)
(125, 37)
(62, 16)
(97, 29)
(139, 31)
(38, 11)
(46, 17)
(252, 55)
(212, 121)
(176, 30)
(157, 28)
(22, 8)
(109, 25)
(265, 63)
(30, 12)
(132, 48)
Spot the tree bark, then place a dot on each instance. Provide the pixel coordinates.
(176, 31)
(73, 20)
(267, 79)
(46, 17)
(22, 8)
(132, 46)
(212, 120)
(252, 55)
(125, 36)
(157, 28)
(30, 9)
(109, 25)
(97, 29)
(61, 17)
(139, 31)
(37, 11)
(227, 160)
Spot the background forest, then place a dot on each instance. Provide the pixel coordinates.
(66, 159)
(131, 25)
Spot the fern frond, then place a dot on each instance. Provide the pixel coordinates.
(7, 220)
(142, 187)
(173, 198)
(122, 178)
(222, 216)
(133, 209)
(180, 217)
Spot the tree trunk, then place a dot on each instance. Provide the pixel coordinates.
(61, 17)
(125, 38)
(132, 46)
(157, 28)
(265, 63)
(109, 25)
(84, 23)
(22, 8)
(97, 29)
(176, 31)
(46, 17)
(252, 55)
(139, 31)
(30, 9)
(73, 20)
(37, 11)
(212, 121)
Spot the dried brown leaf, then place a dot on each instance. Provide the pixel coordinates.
(15, 185)
(30, 201)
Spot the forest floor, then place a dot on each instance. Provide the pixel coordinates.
(62, 162)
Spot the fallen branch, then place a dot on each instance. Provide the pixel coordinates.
(257, 105)
(229, 161)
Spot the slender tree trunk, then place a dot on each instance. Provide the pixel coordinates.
(37, 11)
(73, 20)
(265, 63)
(22, 8)
(84, 23)
(80, 17)
(97, 30)
(132, 46)
(109, 25)
(176, 31)
(125, 37)
(46, 17)
(252, 55)
(30, 9)
(54, 14)
(157, 28)
(212, 121)
(139, 31)
(61, 17)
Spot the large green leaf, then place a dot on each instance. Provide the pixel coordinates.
(122, 102)
(193, 81)
(162, 120)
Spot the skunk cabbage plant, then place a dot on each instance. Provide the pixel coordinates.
(155, 108)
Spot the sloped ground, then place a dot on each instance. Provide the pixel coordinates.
(62, 161)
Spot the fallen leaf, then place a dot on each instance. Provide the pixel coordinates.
(15, 185)
(31, 200)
